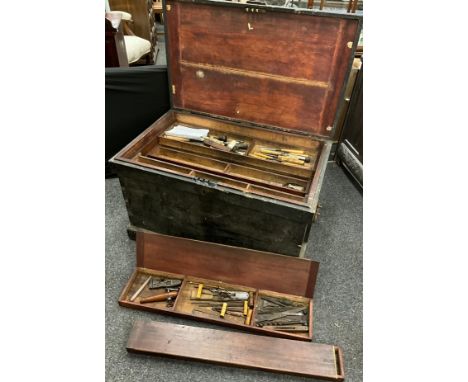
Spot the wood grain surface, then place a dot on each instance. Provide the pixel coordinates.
(237, 349)
(255, 269)
(277, 67)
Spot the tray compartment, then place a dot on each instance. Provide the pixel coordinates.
(185, 302)
(215, 265)
(277, 180)
(242, 173)
(188, 303)
(138, 279)
(289, 302)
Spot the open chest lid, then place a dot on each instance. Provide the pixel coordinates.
(232, 265)
(283, 68)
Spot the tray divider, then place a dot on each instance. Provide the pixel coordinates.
(176, 302)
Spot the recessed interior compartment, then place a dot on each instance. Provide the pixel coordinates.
(254, 160)
(283, 313)
(206, 275)
(217, 301)
(147, 284)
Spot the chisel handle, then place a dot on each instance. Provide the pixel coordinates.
(158, 297)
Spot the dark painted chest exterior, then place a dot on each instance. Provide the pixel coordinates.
(271, 77)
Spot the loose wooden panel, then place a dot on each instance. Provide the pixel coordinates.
(237, 349)
(255, 269)
(275, 67)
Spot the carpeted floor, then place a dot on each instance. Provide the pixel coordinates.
(336, 242)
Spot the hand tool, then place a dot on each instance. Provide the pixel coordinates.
(251, 300)
(296, 320)
(241, 146)
(293, 151)
(158, 297)
(216, 314)
(157, 283)
(288, 159)
(273, 316)
(246, 307)
(216, 143)
(211, 303)
(223, 310)
(238, 309)
(135, 295)
(230, 309)
(231, 144)
(279, 301)
(294, 186)
(259, 155)
(288, 328)
(199, 290)
(249, 317)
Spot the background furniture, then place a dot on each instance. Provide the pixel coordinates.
(351, 6)
(115, 44)
(350, 152)
(143, 20)
(135, 98)
(135, 47)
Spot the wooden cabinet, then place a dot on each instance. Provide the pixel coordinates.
(350, 150)
(143, 19)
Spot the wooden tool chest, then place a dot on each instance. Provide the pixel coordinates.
(198, 269)
(267, 80)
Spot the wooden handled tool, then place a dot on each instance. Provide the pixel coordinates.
(199, 290)
(249, 317)
(158, 297)
(136, 294)
(291, 160)
(291, 151)
(223, 310)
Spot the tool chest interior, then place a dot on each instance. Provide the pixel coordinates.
(187, 303)
(250, 170)
(243, 288)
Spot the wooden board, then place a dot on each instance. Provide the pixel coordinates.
(255, 269)
(237, 349)
(280, 67)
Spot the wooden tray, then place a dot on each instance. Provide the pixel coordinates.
(261, 273)
(237, 349)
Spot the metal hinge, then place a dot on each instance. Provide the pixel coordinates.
(173, 89)
(168, 7)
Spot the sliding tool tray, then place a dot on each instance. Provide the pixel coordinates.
(278, 355)
(238, 287)
(268, 101)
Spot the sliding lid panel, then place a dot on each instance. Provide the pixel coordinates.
(234, 265)
(270, 66)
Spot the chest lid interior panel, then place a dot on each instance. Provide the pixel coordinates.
(276, 67)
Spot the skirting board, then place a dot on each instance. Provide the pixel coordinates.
(237, 349)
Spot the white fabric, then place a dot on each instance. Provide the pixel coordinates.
(136, 48)
(125, 16)
(182, 131)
